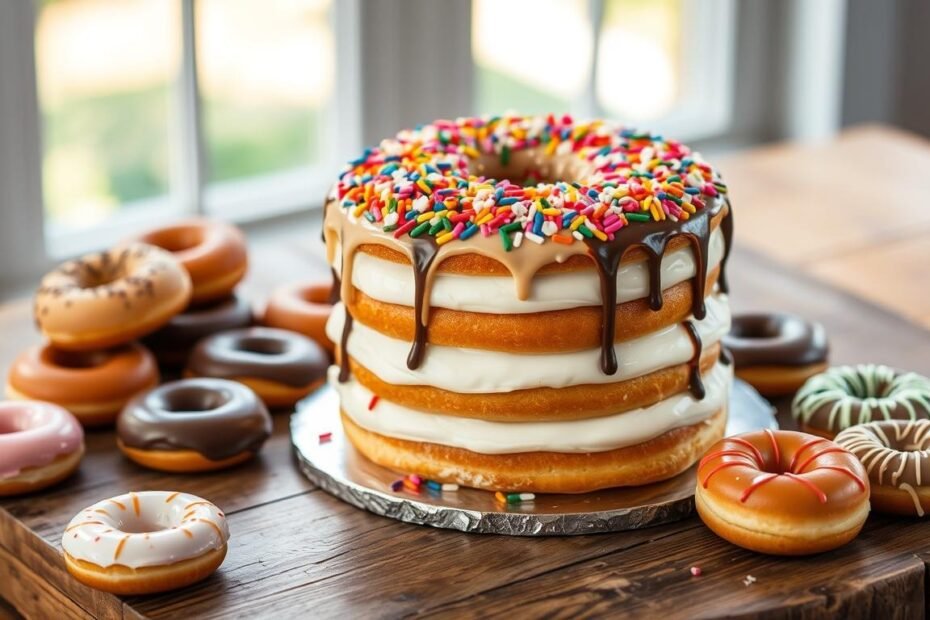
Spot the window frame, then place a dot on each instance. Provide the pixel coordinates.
(239, 200)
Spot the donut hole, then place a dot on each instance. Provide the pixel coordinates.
(316, 294)
(261, 345)
(193, 400)
(11, 425)
(757, 328)
(529, 167)
(141, 525)
(75, 360)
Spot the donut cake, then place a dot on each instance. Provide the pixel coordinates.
(530, 304)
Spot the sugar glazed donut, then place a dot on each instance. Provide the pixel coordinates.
(280, 366)
(213, 253)
(896, 455)
(93, 385)
(844, 396)
(173, 343)
(193, 425)
(776, 352)
(40, 444)
(110, 298)
(302, 308)
(145, 542)
(782, 492)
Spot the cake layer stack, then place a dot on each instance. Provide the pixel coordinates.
(530, 304)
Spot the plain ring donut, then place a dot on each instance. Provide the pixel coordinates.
(213, 253)
(302, 308)
(776, 352)
(110, 298)
(145, 542)
(193, 425)
(782, 492)
(40, 444)
(93, 385)
(844, 396)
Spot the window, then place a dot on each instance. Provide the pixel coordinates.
(643, 62)
(158, 108)
(153, 109)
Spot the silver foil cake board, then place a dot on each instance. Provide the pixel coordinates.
(328, 459)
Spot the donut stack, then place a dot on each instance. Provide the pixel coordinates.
(530, 304)
(92, 311)
(216, 257)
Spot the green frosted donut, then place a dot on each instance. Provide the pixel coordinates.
(845, 396)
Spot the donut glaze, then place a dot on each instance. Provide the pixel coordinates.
(93, 385)
(844, 396)
(159, 535)
(782, 492)
(776, 352)
(896, 455)
(40, 444)
(213, 253)
(281, 366)
(110, 298)
(302, 308)
(220, 422)
(172, 344)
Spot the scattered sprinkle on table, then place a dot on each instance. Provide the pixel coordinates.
(749, 580)
(696, 571)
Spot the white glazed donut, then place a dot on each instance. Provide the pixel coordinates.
(145, 542)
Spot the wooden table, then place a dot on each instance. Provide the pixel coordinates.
(297, 551)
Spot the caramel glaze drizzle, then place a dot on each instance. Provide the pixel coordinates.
(653, 237)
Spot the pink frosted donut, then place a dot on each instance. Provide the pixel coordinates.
(40, 444)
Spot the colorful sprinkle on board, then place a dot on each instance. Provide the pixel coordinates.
(420, 184)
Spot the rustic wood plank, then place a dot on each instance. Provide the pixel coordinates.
(319, 555)
(31, 594)
(858, 330)
(804, 202)
(877, 575)
(894, 275)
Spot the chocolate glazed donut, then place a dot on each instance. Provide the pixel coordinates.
(173, 343)
(193, 425)
(776, 352)
(281, 366)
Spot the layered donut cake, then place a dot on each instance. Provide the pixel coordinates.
(530, 304)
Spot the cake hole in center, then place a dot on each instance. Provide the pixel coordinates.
(529, 167)
(261, 345)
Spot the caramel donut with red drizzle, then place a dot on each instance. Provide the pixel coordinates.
(782, 492)
(145, 542)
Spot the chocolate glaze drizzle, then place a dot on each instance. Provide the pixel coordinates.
(695, 383)
(424, 253)
(654, 238)
(726, 227)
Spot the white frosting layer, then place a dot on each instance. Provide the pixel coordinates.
(149, 528)
(475, 371)
(393, 283)
(591, 435)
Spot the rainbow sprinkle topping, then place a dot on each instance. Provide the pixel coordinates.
(419, 183)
